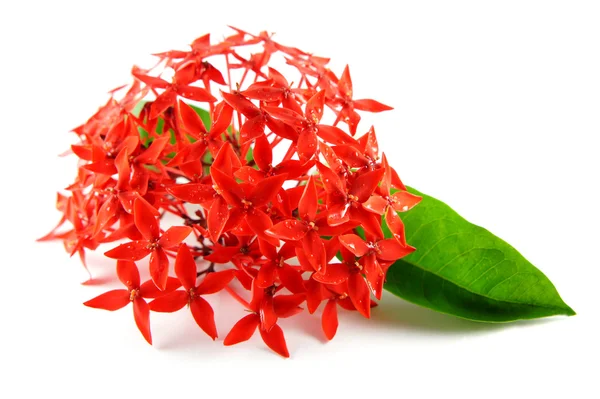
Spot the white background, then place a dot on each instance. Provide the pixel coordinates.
(496, 112)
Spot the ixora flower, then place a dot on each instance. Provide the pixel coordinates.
(283, 200)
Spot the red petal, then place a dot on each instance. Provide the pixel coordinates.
(288, 305)
(266, 275)
(263, 155)
(144, 219)
(259, 222)
(189, 119)
(241, 104)
(373, 273)
(364, 185)
(229, 188)
(331, 181)
(395, 225)
(205, 316)
(335, 273)
(275, 340)
(307, 207)
(354, 244)
(226, 160)
(404, 201)
(371, 105)
(268, 318)
(185, 267)
(159, 268)
(286, 115)
(174, 236)
(162, 102)
(134, 250)
(359, 294)
(141, 314)
(252, 129)
(291, 229)
(314, 249)
(123, 169)
(242, 330)
(307, 144)
(195, 93)
(128, 273)
(111, 300)
(375, 204)
(335, 135)
(291, 279)
(314, 107)
(215, 282)
(107, 211)
(329, 320)
(345, 84)
(351, 156)
(170, 303)
(221, 119)
(391, 249)
(368, 220)
(217, 218)
(266, 189)
(263, 91)
(151, 155)
(314, 295)
(149, 290)
(194, 193)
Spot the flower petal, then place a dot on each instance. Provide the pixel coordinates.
(242, 330)
(218, 215)
(215, 282)
(404, 201)
(159, 268)
(170, 303)
(371, 105)
(291, 229)
(174, 236)
(315, 250)
(359, 294)
(141, 314)
(263, 155)
(291, 279)
(354, 244)
(335, 135)
(205, 316)
(111, 300)
(329, 319)
(391, 249)
(128, 273)
(145, 220)
(275, 340)
(266, 189)
(185, 267)
(364, 185)
(134, 250)
(307, 207)
(194, 193)
(335, 273)
(266, 275)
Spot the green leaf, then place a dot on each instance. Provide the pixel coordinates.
(466, 271)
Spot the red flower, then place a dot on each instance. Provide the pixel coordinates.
(135, 293)
(153, 244)
(185, 269)
(267, 179)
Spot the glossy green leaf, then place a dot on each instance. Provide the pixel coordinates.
(464, 270)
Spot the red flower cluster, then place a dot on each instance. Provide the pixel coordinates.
(274, 226)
